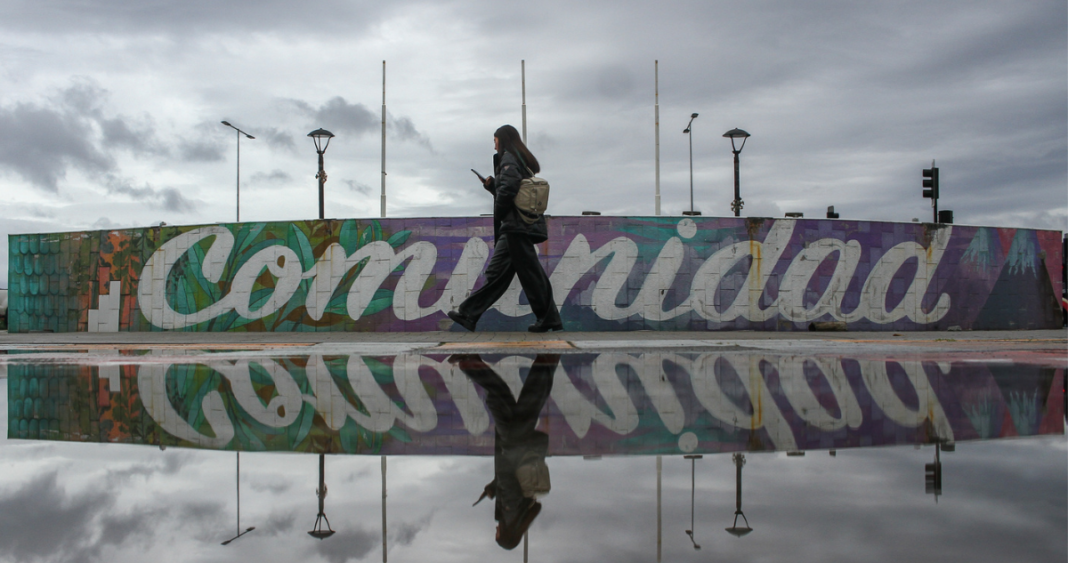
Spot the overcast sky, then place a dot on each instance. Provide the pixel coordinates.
(110, 110)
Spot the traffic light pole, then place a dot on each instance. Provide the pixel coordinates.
(930, 185)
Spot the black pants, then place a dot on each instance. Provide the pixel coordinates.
(514, 255)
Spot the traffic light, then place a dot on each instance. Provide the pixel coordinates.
(932, 477)
(930, 182)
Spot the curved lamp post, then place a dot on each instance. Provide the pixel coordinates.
(247, 136)
(688, 131)
(739, 461)
(320, 147)
(317, 531)
(733, 134)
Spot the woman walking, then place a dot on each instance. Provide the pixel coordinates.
(514, 240)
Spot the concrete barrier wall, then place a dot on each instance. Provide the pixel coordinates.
(608, 273)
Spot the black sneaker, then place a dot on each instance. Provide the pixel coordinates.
(540, 326)
(463, 321)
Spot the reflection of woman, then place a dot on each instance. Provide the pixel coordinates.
(514, 240)
(518, 449)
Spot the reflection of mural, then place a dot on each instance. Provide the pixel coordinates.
(611, 403)
(609, 273)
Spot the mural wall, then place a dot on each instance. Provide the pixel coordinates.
(599, 404)
(608, 273)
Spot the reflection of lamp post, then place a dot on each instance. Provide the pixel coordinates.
(250, 528)
(733, 134)
(693, 460)
(688, 132)
(318, 135)
(239, 133)
(735, 530)
(317, 531)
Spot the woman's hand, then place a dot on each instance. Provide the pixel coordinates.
(488, 184)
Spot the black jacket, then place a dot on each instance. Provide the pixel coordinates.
(508, 173)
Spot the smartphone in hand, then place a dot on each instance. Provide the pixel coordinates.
(480, 178)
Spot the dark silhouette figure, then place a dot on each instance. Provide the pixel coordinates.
(520, 472)
(514, 240)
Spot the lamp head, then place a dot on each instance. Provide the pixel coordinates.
(227, 123)
(693, 116)
(317, 136)
(736, 134)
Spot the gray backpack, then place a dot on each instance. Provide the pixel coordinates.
(532, 199)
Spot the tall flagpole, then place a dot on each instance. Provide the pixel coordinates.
(383, 509)
(659, 496)
(383, 138)
(656, 118)
(523, 72)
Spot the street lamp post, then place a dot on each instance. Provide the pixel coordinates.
(247, 136)
(250, 528)
(733, 134)
(317, 531)
(736, 530)
(320, 147)
(687, 131)
(693, 461)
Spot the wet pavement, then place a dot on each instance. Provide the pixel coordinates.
(629, 446)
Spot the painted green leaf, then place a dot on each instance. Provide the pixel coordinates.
(297, 432)
(376, 230)
(298, 241)
(399, 238)
(400, 434)
(381, 371)
(365, 237)
(348, 238)
(382, 299)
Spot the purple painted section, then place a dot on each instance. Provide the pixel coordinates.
(608, 273)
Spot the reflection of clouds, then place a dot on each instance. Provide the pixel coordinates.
(40, 520)
(405, 533)
(348, 545)
(274, 485)
(1005, 502)
(167, 465)
(278, 523)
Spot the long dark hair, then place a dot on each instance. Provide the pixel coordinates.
(509, 141)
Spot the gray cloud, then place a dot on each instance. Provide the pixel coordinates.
(343, 117)
(348, 545)
(276, 139)
(39, 520)
(277, 524)
(41, 144)
(202, 150)
(275, 176)
(358, 187)
(167, 199)
(168, 464)
(402, 129)
(405, 533)
(192, 18)
(339, 116)
(70, 130)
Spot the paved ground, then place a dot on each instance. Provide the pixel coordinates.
(1049, 347)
